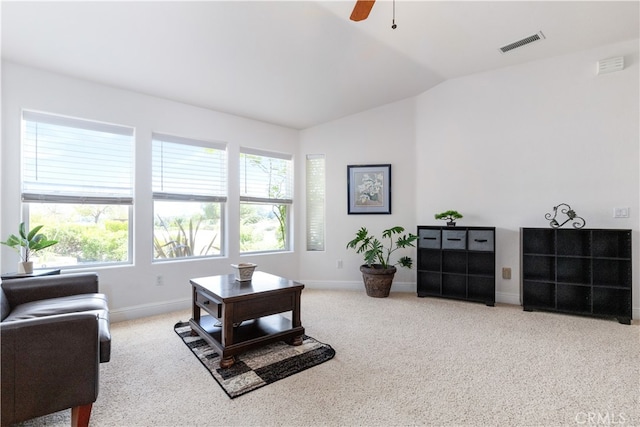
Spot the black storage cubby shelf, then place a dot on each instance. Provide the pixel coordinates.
(457, 262)
(584, 271)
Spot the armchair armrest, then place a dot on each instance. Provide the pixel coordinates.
(20, 291)
(48, 364)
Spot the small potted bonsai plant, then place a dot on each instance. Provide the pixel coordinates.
(449, 216)
(377, 270)
(26, 244)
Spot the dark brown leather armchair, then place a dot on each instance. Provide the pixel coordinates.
(54, 334)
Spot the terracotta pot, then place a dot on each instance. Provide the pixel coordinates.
(377, 280)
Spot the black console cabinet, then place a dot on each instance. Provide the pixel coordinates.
(584, 271)
(457, 262)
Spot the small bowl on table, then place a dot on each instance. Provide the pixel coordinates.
(243, 271)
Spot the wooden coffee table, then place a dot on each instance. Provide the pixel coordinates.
(244, 315)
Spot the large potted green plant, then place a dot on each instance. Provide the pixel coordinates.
(27, 243)
(378, 271)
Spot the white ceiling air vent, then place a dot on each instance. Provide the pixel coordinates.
(525, 41)
(610, 65)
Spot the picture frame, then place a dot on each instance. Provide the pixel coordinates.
(369, 189)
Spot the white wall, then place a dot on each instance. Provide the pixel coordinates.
(504, 147)
(132, 289)
(384, 135)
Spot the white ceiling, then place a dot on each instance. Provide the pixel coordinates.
(297, 63)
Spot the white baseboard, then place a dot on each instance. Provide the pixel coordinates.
(508, 298)
(146, 310)
(355, 286)
(333, 285)
(153, 309)
(501, 297)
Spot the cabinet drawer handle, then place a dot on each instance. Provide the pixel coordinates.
(429, 238)
(480, 240)
(457, 240)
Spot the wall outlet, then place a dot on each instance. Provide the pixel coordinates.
(339, 264)
(159, 281)
(621, 212)
(506, 273)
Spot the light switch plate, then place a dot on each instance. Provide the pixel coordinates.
(621, 212)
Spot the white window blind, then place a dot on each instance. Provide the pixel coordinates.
(265, 177)
(315, 182)
(67, 160)
(185, 169)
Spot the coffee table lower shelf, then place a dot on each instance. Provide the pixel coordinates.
(248, 335)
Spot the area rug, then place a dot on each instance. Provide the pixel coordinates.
(256, 368)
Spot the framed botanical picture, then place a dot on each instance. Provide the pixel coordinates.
(369, 189)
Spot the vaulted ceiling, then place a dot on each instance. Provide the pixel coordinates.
(297, 63)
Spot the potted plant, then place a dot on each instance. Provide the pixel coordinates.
(450, 216)
(27, 244)
(377, 270)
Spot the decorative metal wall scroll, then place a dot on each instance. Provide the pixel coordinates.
(564, 209)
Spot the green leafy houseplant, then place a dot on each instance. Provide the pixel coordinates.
(450, 216)
(183, 242)
(376, 253)
(31, 241)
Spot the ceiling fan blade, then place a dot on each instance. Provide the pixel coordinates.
(361, 10)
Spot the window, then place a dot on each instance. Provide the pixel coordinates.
(189, 193)
(315, 202)
(266, 196)
(77, 181)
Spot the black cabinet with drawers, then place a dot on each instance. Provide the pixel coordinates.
(585, 271)
(457, 262)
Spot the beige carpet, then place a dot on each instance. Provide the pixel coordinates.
(402, 360)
